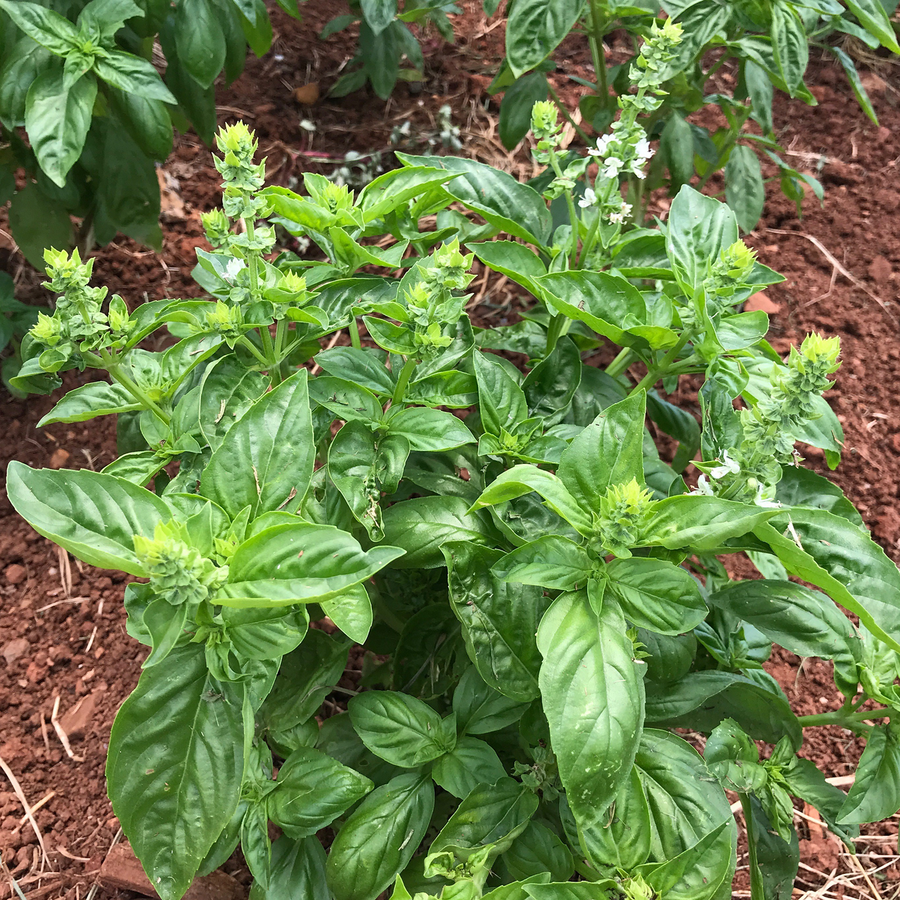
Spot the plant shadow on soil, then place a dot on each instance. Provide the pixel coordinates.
(62, 635)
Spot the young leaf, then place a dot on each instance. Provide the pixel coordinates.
(470, 763)
(875, 794)
(380, 837)
(89, 401)
(501, 401)
(92, 515)
(593, 698)
(515, 110)
(176, 758)
(297, 869)
(266, 460)
(745, 192)
(552, 562)
(351, 611)
(45, 26)
(538, 850)
(480, 709)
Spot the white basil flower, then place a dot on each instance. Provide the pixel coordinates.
(602, 145)
(589, 198)
(234, 266)
(612, 167)
(728, 466)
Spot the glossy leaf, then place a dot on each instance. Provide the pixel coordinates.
(297, 869)
(535, 29)
(351, 611)
(89, 401)
(470, 763)
(875, 794)
(538, 850)
(551, 562)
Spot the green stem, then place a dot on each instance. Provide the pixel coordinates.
(565, 113)
(656, 372)
(716, 66)
(757, 888)
(590, 240)
(354, 334)
(620, 363)
(570, 205)
(559, 325)
(139, 394)
(279, 354)
(405, 374)
(595, 39)
(837, 717)
(244, 341)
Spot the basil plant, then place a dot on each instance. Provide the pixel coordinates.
(533, 557)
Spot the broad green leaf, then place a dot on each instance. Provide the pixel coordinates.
(348, 401)
(538, 850)
(745, 191)
(791, 45)
(506, 204)
(57, 120)
(306, 677)
(801, 487)
(581, 890)
(657, 595)
(298, 563)
(684, 800)
(378, 13)
(147, 121)
(89, 401)
(608, 452)
(499, 620)
(227, 391)
(393, 190)
(176, 758)
(550, 386)
(297, 870)
(859, 91)
(552, 562)
(520, 480)
(429, 430)
(490, 816)
(400, 729)
(380, 837)
(21, 66)
(470, 763)
(535, 29)
(381, 57)
(109, 15)
(699, 228)
(265, 633)
(364, 367)
(593, 698)
(480, 709)
(875, 794)
(800, 620)
(778, 860)
(515, 110)
(502, 403)
(311, 791)
(874, 18)
(514, 260)
(92, 515)
(45, 26)
(133, 75)
(676, 147)
(138, 467)
(351, 611)
(804, 780)
(265, 461)
(608, 304)
(701, 523)
(623, 837)
(422, 526)
(200, 40)
(841, 559)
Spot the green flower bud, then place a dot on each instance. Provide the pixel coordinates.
(48, 330)
(623, 512)
(67, 274)
(216, 226)
(119, 318)
(545, 121)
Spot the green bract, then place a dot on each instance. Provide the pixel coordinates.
(539, 593)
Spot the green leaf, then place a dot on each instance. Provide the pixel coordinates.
(297, 869)
(21, 66)
(363, 367)
(351, 611)
(266, 460)
(148, 122)
(348, 401)
(93, 516)
(176, 758)
(515, 110)
(551, 561)
(306, 677)
(778, 860)
(400, 729)
(421, 526)
(430, 430)
(699, 229)
(593, 698)
(480, 709)
(89, 401)
(608, 452)
(745, 192)
(393, 190)
(133, 75)
(200, 40)
(805, 781)
(381, 57)
(298, 563)
(37, 222)
(109, 15)
(48, 28)
(353, 467)
(502, 404)
(843, 561)
(657, 595)
(380, 837)
(499, 620)
(801, 487)
(520, 480)
(701, 523)
(875, 794)
(265, 633)
(608, 304)
(490, 816)
(470, 763)
(535, 29)
(760, 90)
(623, 837)
(312, 790)
(378, 13)
(227, 391)
(538, 850)
(874, 18)
(516, 261)
(791, 46)
(676, 147)
(509, 206)
(859, 91)
(57, 120)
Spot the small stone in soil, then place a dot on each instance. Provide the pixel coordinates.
(59, 458)
(14, 649)
(15, 574)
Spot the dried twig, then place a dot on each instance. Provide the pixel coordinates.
(28, 813)
(45, 799)
(60, 733)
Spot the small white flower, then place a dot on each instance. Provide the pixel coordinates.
(703, 487)
(617, 218)
(765, 502)
(234, 266)
(589, 198)
(643, 150)
(602, 145)
(728, 466)
(612, 166)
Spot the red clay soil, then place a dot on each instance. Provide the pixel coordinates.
(65, 659)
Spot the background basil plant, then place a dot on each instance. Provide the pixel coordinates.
(540, 595)
(770, 42)
(77, 76)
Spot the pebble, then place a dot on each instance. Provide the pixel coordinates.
(14, 649)
(15, 574)
(59, 458)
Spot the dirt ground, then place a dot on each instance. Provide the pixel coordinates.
(67, 662)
